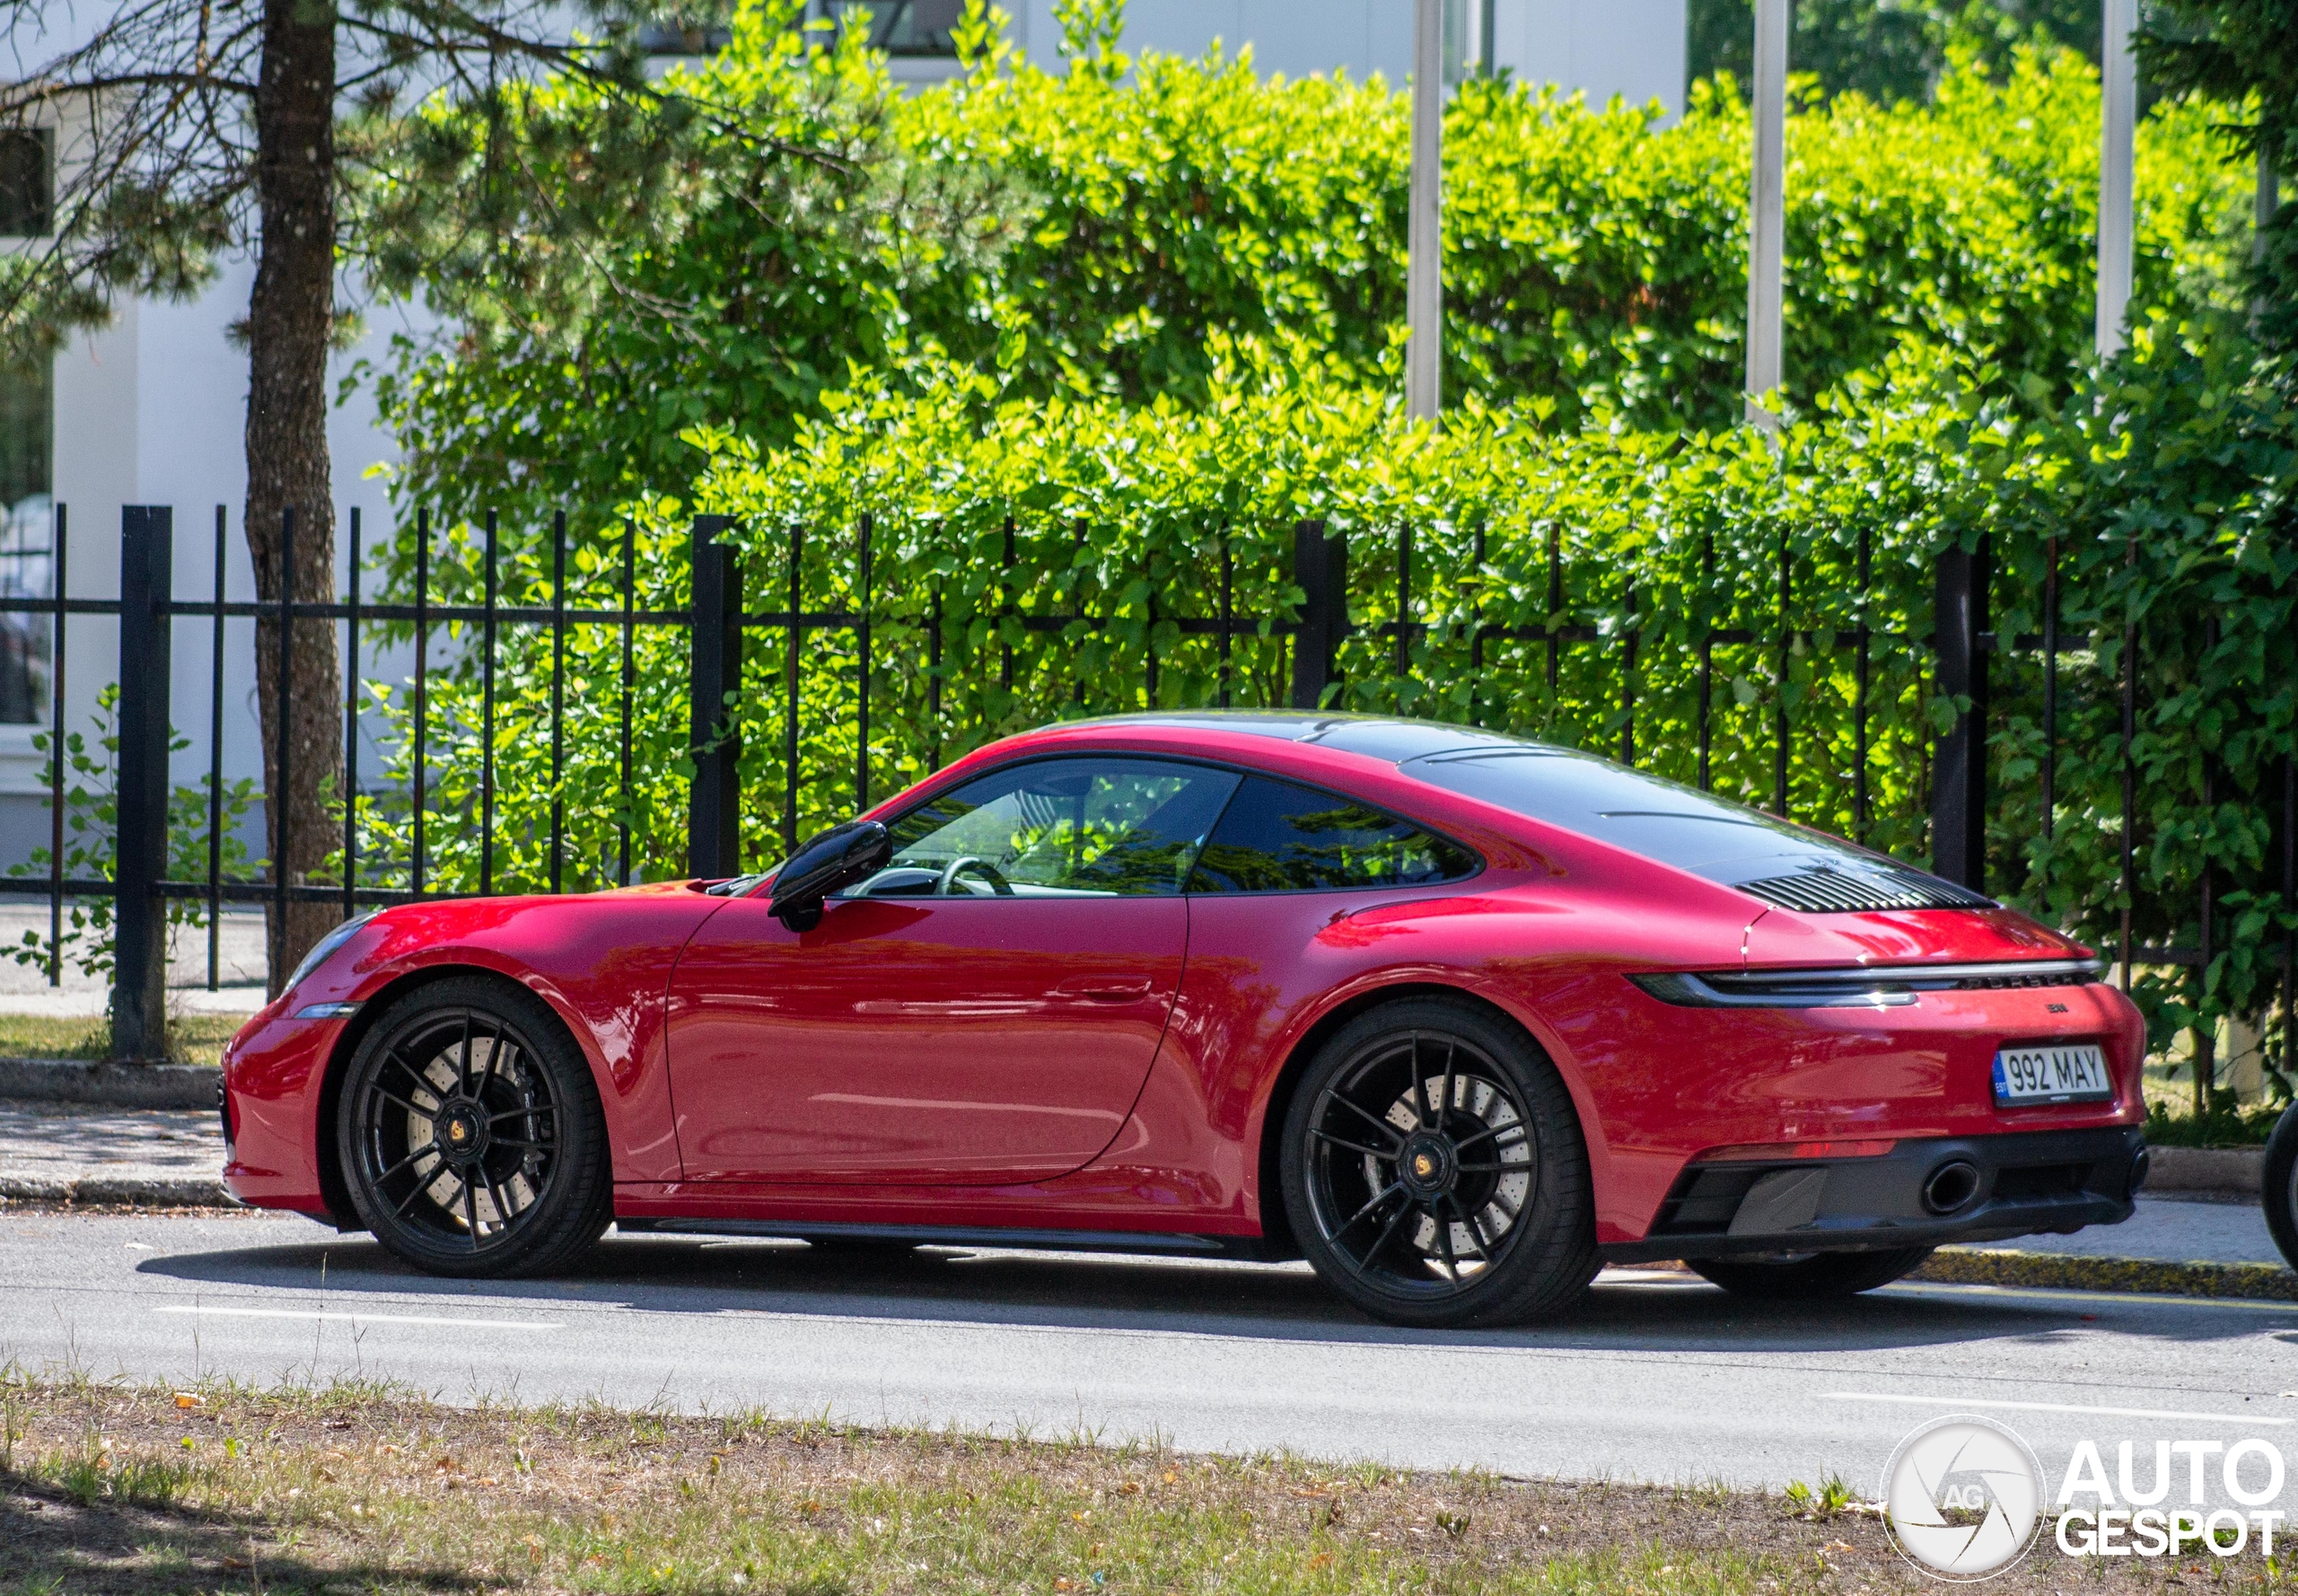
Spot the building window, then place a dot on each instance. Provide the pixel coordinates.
(27, 182)
(901, 27)
(27, 532)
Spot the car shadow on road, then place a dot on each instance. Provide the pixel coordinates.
(1639, 1310)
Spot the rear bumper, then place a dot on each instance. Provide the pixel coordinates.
(2018, 1185)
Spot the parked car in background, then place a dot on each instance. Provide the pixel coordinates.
(1456, 1016)
(2281, 1184)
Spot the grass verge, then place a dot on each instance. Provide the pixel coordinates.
(110, 1488)
(1959, 1265)
(192, 1038)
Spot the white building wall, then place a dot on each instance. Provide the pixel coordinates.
(1631, 48)
(150, 410)
(1298, 38)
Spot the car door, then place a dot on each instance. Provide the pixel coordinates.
(982, 1011)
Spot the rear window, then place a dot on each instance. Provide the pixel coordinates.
(1644, 815)
(1278, 837)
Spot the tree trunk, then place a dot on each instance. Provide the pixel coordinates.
(290, 317)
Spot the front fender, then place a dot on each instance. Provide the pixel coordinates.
(602, 962)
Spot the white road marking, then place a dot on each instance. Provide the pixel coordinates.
(2220, 1418)
(356, 1317)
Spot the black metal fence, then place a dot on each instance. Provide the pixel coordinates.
(719, 624)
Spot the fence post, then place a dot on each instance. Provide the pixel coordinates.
(1320, 567)
(714, 805)
(1958, 763)
(139, 979)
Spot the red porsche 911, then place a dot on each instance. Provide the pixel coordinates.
(1457, 1016)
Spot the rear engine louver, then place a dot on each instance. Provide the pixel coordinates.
(1835, 892)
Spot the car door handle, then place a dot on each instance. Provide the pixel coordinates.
(1106, 988)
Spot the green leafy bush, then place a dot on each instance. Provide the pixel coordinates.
(2227, 1123)
(1084, 232)
(784, 236)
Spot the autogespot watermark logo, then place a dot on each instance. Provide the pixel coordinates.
(1963, 1498)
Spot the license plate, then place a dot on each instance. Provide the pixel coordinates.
(2071, 1074)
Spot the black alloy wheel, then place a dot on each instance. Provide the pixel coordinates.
(470, 1134)
(1808, 1276)
(2281, 1187)
(1435, 1171)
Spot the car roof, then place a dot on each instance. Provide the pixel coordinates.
(1587, 795)
(1392, 738)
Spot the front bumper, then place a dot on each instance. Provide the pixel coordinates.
(270, 1106)
(2020, 1184)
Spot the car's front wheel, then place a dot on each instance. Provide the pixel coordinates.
(470, 1134)
(1812, 1276)
(1435, 1171)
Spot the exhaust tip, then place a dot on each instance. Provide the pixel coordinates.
(2139, 1163)
(1951, 1186)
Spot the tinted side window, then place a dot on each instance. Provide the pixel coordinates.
(1067, 828)
(1276, 837)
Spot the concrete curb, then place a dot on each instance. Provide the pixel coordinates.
(114, 1085)
(2238, 1171)
(141, 1191)
(1966, 1266)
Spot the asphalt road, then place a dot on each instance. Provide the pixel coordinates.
(1658, 1379)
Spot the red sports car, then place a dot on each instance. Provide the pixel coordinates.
(1457, 1016)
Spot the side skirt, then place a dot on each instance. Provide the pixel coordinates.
(1251, 1249)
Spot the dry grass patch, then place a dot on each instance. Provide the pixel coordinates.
(113, 1489)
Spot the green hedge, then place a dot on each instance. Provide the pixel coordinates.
(1086, 231)
(987, 505)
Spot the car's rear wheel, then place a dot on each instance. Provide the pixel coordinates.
(1435, 1171)
(1812, 1276)
(470, 1135)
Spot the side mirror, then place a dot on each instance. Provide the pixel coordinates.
(824, 863)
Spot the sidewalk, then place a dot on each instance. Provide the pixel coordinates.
(64, 1153)
(240, 972)
(2165, 1230)
(2177, 1245)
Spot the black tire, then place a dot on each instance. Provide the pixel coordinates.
(2282, 1184)
(483, 1068)
(1817, 1276)
(1425, 1133)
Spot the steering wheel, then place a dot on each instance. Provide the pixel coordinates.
(946, 887)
